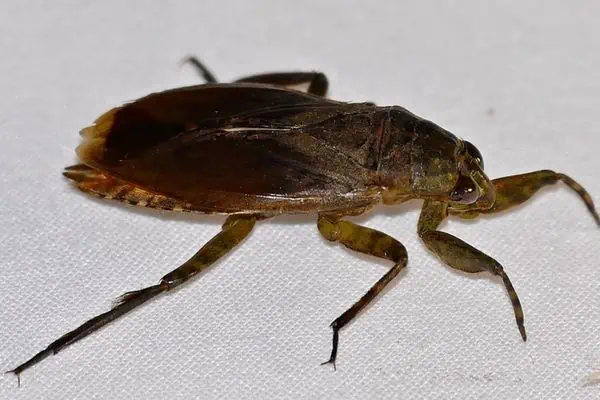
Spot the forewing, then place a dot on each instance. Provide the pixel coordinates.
(151, 120)
(228, 148)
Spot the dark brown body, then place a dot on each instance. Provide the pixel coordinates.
(247, 148)
(256, 149)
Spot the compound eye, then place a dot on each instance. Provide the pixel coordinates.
(474, 152)
(465, 192)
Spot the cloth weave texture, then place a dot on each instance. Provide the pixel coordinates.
(518, 79)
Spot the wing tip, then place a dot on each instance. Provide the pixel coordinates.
(101, 126)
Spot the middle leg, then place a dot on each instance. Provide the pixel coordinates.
(368, 241)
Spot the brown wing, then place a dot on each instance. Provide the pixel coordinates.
(237, 148)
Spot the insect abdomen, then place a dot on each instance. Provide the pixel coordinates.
(98, 183)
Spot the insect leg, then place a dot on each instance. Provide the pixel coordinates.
(202, 70)
(462, 256)
(516, 189)
(367, 241)
(317, 81)
(235, 229)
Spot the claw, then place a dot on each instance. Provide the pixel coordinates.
(518, 310)
(585, 196)
(14, 371)
(330, 361)
(336, 338)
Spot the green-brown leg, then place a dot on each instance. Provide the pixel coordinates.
(235, 229)
(510, 191)
(204, 72)
(516, 189)
(462, 256)
(317, 81)
(367, 241)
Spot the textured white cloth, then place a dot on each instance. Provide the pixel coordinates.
(520, 79)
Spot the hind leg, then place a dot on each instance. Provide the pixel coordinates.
(234, 230)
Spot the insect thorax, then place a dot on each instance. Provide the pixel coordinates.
(419, 159)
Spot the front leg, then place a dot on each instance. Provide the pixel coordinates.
(462, 256)
(516, 189)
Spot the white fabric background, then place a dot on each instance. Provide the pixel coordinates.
(519, 79)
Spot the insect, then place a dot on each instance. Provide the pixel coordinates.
(256, 148)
